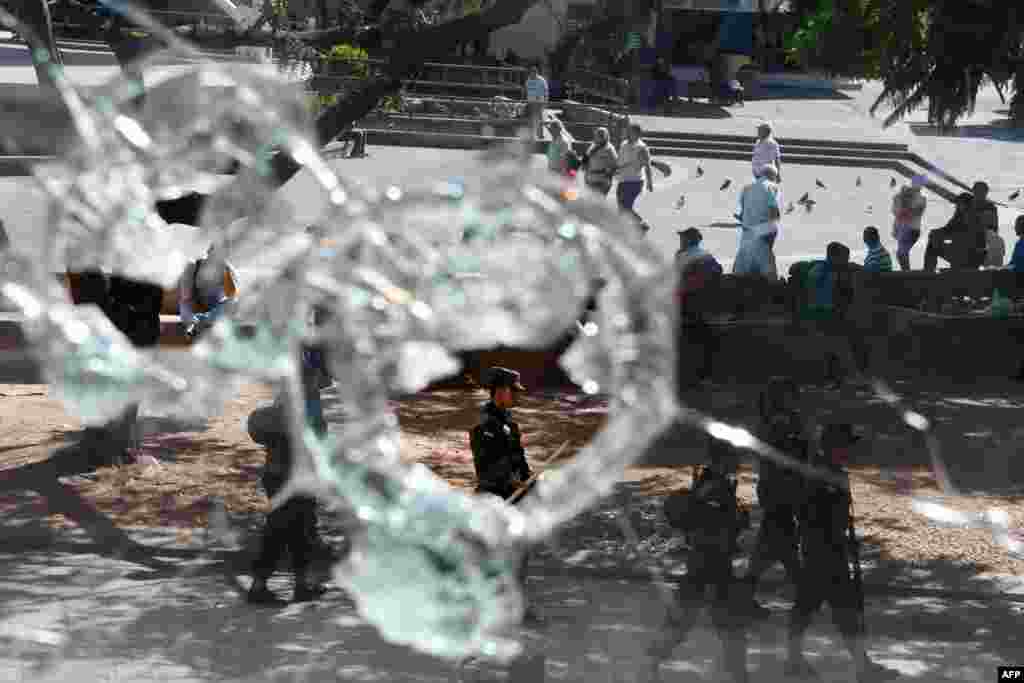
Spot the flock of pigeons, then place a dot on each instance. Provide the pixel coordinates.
(805, 201)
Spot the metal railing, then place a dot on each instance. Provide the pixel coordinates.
(500, 80)
(598, 85)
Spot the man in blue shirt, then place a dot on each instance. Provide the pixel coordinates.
(536, 100)
(878, 259)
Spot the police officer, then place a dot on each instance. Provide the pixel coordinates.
(498, 454)
(829, 546)
(779, 488)
(292, 526)
(712, 520)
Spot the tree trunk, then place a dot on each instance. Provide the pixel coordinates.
(35, 15)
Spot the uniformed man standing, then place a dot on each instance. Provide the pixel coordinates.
(779, 488)
(830, 550)
(498, 454)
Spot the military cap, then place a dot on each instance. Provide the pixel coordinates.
(502, 377)
(838, 435)
(690, 235)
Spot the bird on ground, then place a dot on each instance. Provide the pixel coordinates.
(726, 184)
(804, 199)
(1014, 195)
(820, 184)
(700, 171)
(791, 208)
(681, 202)
(859, 181)
(809, 204)
(892, 182)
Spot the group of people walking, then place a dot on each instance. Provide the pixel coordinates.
(807, 526)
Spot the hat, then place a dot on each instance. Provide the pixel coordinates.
(690, 235)
(502, 377)
(838, 435)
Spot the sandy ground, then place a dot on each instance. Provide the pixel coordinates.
(218, 461)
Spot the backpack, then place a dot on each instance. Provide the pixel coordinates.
(709, 504)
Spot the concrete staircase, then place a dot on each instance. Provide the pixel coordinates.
(478, 134)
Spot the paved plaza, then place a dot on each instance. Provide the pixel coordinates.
(70, 611)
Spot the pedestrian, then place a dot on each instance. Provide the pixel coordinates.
(291, 526)
(560, 150)
(877, 260)
(961, 242)
(831, 571)
(5, 241)
(205, 291)
(634, 168)
(767, 151)
(710, 518)
(499, 458)
(1017, 260)
(698, 272)
(760, 216)
(827, 295)
(995, 248)
(600, 162)
(779, 488)
(536, 100)
(908, 207)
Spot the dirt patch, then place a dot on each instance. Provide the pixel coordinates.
(221, 462)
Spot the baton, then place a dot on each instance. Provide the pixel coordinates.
(521, 491)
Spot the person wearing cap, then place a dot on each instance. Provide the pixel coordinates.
(698, 271)
(831, 561)
(778, 487)
(767, 151)
(498, 454)
(908, 207)
(960, 242)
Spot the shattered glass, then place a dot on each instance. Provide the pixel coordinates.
(408, 277)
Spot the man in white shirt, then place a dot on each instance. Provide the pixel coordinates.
(536, 99)
(766, 151)
(634, 168)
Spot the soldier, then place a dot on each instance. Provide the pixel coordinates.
(711, 519)
(830, 547)
(498, 454)
(291, 526)
(779, 488)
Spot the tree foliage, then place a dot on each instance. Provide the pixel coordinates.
(928, 53)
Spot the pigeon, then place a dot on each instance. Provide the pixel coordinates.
(820, 184)
(859, 181)
(700, 171)
(726, 184)
(681, 202)
(809, 204)
(1014, 195)
(892, 182)
(806, 198)
(791, 208)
